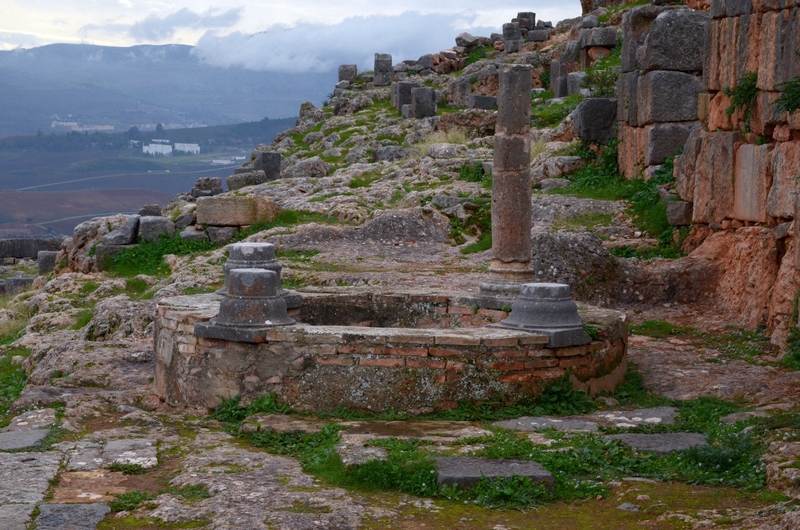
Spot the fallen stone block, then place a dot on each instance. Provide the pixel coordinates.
(313, 167)
(679, 213)
(270, 163)
(150, 210)
(348, 72)
(465, 472)
(125, 234)
(575, 82)
(14, 286)
(151, 228)
(423, 102)
(104, 255)
(595, 120)
(401, 93)
(193, 233)
(241, 180)
(390, 153)
(232, 210)
(208, 183)
(27, 247)
(482, 102)
(221, 234)
(46, 261)
(539, 35)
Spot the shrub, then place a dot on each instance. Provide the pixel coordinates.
(743, 97)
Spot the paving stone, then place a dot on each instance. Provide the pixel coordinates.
(743, 416)
(661, 444)
(466, 471)
(530, 423)
(434, 431)
(70, 516)
(11, 440)
(357, 453)
(15, 516)
(25, 477)
(628, 507)
(135, 451)
(280, 423)
(33, 419)
(635, 418)
(84, 487)
(83, 456)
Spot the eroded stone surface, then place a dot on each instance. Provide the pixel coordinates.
(24, 477)
(70, 516)
(15, 516)
(32, 419)
(661, 444)
(22, 439)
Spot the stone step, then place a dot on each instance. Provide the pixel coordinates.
(467, 471)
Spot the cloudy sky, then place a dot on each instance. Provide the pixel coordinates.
(296, 35)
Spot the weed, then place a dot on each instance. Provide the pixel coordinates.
(601, 82)
(544, 78)
(592, 331)
(789, 100)
(585, 221)
(451, 136)
(743, 97)
(190, 493)
(127, 469)
(668, 252)
(472, 173)
(12, 379)
(302, 256)
(632, 392)
(129, 501)
(231, 412)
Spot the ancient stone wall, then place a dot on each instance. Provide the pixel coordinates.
(738, 173)
(323, 367)
(662, 61)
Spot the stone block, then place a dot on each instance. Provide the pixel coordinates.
(679, 213)
(240, 210)
(575, 82)
(589, 21)
(605, 37)
(390, 153)
(539, 35)
(732, 48)
(27, 247)
(482, 102)
(557, 70)
(242, 180)
(184, 220)
(674, 41)
(511, 153)
(269, 162)
(467, 471)
(730, 8)
(780, 39)
(595, 120)
(151, 227)
(512, 36)
(562, 87)
(208, 183)
(423, 102)
(714, 176)
(782, 197)
(665, 139)
(529, 17)
(221, 234)
(125, 234)
(46, 261)
(104, 254)
(514, 111)
(401, 93)
(627, 98)
(630, 154)
(667, 97)
(661, 444)
(685, 165)
(16, 516)
(348, 72)
(752, 183)
(13, 440)
(193, 233)
(636, 25)
(383, 70)
(150, 210)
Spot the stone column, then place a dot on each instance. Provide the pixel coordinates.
(511, 187)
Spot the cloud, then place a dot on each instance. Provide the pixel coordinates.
(314, 47)
(10, 40)
(159, 29)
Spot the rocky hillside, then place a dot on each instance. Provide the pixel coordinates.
(387, 188)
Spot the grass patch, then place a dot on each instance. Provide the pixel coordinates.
(364, 180)
(601, 180)
(148, 257)
(129, 501)
(301, 256)
(82, 318)
(545, 116)
(483, 244)
(286, 219)
(612, 10)
(585, 221)
(127, 469)
(12, 379)
(478, 54)
(453, 136)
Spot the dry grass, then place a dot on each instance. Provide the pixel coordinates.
(10, 329)
(537, 148)
(453, 136)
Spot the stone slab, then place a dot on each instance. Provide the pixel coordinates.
(46, 261)
(590, 422)
(241, 180)
(432, 431)
(33, 419)
(752, 183)
(25, 477)
(466, 472)
(125, 234)
(134, 451)
(661, 444)
(356, 454)
(235, 210)
(12, 440)
(667, 97)
(280, 423)
(542, 423)
(595, 120)
(89, 486)
(15, 516)
(71, 516)
(151, 227)
(27, 247)
(84, 456)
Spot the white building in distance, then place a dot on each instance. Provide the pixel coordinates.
(192, 149)
(157, 150)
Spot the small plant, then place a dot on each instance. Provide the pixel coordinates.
(230, 411)
(592, 331)
(789, 100)
(601, 83)
(190, 493)
(472, 173)
(544, 79)
(130, 501)
(544, 116)
(364, 180)
(127, 468)
(83, 318)
(743, 97)
(477, 54)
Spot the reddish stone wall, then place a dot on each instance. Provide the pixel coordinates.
(744, 180)
(375, 368)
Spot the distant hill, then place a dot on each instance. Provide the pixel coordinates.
(124, 87)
